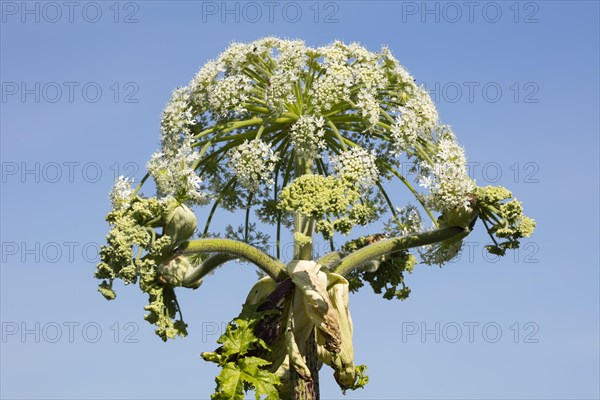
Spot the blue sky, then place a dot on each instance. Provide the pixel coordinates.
(83, 87)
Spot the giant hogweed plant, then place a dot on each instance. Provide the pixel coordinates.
(308, 140)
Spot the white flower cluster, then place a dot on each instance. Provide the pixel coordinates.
(290, 61)
(229, 94)
(345, 67)
(206, 77)
(121, 192)
(331, 88)
(334, 83)
(253, 163)
(292, 54)
(451, 187)
(410, 220)
(367, 68)
(418, 117)
(280, 80)
(357, 165)
(235, 57)
(280, 91)
(440, 253)
(173, 173)
(177, 116)
(225, 84)
(307, 136)
(369, 107)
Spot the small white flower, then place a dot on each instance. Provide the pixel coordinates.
(418, 117)
(307, 136)
(358, 165)
(408, 222)
(174, 175)
(177, 116)
(253, 164)
(204, 78)
(440, 253)
(451, 186)
(425, 181)
(229, 94)
(369, 107)
(281, 89)
(121, 192)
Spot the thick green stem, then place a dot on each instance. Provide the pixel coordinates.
(271, 266)
(389, 246)
(193, 277)
(303, 225)
(330, 258)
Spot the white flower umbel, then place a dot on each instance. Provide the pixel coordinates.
(440, 253)
(369, 107)
(174, 175)
(253, 164)
(418, 117)
(451, 186)
(205, 78)
(331, 87)
(307, 136)
(410, 219)
(177, 117)
(229, 94)
(357, 165)
(292, 55)
(121, 192)
(280, 90)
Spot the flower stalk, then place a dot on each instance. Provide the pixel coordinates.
(271, 266)
(393, 245)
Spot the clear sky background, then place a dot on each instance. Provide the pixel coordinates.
(518, 82)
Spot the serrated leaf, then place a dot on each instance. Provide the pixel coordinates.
(230, 382)
(238, 339)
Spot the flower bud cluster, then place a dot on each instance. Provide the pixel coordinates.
(135, 252)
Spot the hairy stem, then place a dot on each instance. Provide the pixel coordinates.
(389, 246)
(271, 266)
(304, 225)
(194, 276)
(330, 258)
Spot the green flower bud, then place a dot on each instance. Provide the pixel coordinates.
(325, 228)
(527, 226)
(105, 289)
(179, 222)
(173, 272)
(343, 225)
(498, 251)
(492, 194)
(458, 217)
(302, 239)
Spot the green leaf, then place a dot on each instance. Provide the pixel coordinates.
(231, 380)
(238, 339)
(361, 378)
(239, 370)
